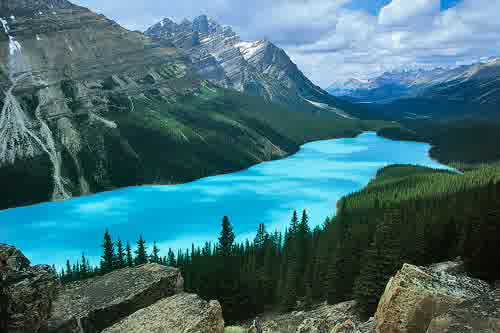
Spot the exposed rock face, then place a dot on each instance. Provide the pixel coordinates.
(13, 259)
(182, 313)
(416, 295)
(479, 315)
(257, 68)
(341, 317)
(95, 304)
(27, 292)
(86, 106)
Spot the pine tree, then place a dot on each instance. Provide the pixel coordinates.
(171, 259)
(141, 256)
(294, 224)
(226, 238)
(84, 271)
(120, 254)
(381, 261)
(108, 257)
(68, 277)
(155, 254)
(129, 259)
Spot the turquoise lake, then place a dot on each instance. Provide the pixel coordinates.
(177, 216)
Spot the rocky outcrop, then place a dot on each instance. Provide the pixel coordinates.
(182, 313)
(417, 295)
(257, 68)
(340, 318)
(12, 259)
(26, 292)
(98, 303)
(479, 315)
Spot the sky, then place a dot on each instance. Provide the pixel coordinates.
(334, 40)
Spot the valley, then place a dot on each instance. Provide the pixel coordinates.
(168, 174)
(314, 178)
(95, 107)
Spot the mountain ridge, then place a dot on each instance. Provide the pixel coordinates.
(476, 82)
(89, 106)
(257, 68)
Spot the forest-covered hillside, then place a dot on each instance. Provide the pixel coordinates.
(407, 214)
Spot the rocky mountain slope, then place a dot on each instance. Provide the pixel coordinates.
(87, 106)
(257, 68)
(477, 83)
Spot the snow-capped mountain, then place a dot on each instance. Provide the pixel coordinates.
(257, 68)
(479, 82)
(87, 105)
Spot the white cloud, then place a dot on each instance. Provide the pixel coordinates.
(330, 42)
(403, 12)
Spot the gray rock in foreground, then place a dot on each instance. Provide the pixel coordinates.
(95, 304)
(182, 313)
(417, 295)
(26, 292)
(324, 318)
(480, 315)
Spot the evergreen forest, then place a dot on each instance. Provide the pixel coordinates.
(407, 214)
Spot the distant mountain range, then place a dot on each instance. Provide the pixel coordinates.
(477, 83)
(257, 68)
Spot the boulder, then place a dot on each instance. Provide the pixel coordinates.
(13, 259)
(95, 304)
(182, 313)
(480, 315)
(322, 319)
(416, 295)
(26, 293)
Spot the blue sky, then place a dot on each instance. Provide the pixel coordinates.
(374, 6)
(334, 40)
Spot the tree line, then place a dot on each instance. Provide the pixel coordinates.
(406, 215)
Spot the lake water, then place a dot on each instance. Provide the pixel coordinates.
(176, 216)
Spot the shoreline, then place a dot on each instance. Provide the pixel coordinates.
(124, 188)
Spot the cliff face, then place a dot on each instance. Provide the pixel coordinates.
(257, 68)
(87, 106)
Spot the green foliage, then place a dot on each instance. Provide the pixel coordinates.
(120, 255)
(406, 214)
(226, 238)
(141, 256)
(108, 257)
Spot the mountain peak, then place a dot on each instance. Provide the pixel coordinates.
(13, 6)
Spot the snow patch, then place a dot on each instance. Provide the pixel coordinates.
(249, 49)
(38, 38)
(5, 25)
(13, 18)
(14, 46)
(41, 13)
(162, 24)
(327, 107)
(106, 122)
(69, 46)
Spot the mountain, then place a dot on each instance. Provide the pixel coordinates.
(456, 110)
(257, 68)
(88, 106)
(476, 83)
